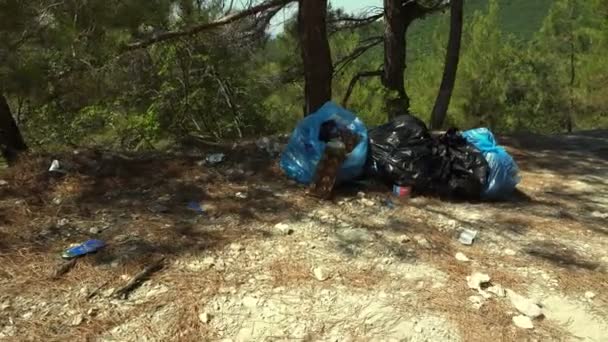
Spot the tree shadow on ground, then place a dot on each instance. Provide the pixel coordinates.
(560, 255)
(140, 204)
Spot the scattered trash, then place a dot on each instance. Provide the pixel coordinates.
(503, 171)
(477, 280)
(215, 158)
(240, 195)
(467, 237)
(320, 274)
(56, 167)
(402, 191)
(196, 206)
(524, 305)
(124, 291)
(523, 322)
(86, 247)
(304, 150)
(461, 257)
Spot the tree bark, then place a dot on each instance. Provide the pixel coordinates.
(395, 29)
(11, 141)
(316, 55)
(451, 66)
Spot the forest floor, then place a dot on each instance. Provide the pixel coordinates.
(265, 262)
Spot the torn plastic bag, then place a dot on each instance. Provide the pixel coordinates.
(401, 153)
(304, 150)
(503, 176)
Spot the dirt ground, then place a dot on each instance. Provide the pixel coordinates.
(264, 262)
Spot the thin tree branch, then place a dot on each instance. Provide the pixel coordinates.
(346, 60)
(353, 82)
(228, 19)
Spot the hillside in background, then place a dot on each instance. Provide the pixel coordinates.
(522, 18)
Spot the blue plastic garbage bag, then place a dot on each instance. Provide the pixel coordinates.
(304, 150)
(503, 176)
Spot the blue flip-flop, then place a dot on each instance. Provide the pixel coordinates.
(86, 247)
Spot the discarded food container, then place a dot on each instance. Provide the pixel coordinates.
(467, 236)
(89, 246)
(402, 191)
(215, 158)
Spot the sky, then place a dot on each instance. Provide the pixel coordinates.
(351, 6)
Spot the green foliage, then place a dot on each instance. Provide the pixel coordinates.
(69, 83)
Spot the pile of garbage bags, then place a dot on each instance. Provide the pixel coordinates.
(403, 152)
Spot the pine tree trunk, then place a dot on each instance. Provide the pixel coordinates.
(316, 55)
(11, 141)
(395, 29)
(451, 66)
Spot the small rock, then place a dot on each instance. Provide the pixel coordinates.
(423, 242)
(27, 315)
(94, 230)
(77, 320)
(92, 312)
(320, 274)
(250, 302)
(205, 317)
(237, 247)
(3, 182)
(589, 295)
(284, 228)
(404, 239)
(361, 194)
(524, 305)
(477, 301)
(367, 202)
(498, 290)
(240, 195)
(598, 214)
(461, 257)
(509, 252)
(476, 280)
(418, 329)
(523, 322)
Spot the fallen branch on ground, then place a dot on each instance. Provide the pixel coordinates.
(139, 278)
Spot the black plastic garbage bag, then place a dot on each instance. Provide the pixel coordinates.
(403, 152)
(464, 170)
